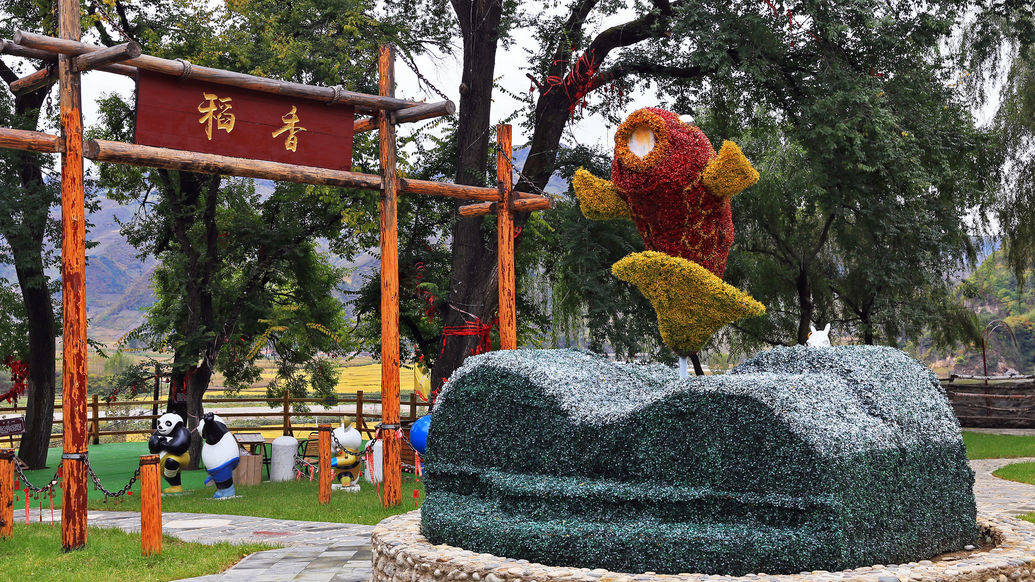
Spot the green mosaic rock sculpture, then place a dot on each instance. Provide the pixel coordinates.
(800, 459)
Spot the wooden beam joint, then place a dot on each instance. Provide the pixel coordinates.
(107, 56)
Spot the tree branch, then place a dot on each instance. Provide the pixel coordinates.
(572, 26)
(648, 69)
(7, 74)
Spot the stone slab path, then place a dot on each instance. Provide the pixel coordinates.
(313, 551)
(340, 552)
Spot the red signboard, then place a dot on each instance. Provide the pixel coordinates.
(12, 426)
(217, 119)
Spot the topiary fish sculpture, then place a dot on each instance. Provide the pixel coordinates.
(668, 179)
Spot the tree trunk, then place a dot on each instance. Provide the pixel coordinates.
(806, 307)
(27, 247)
(472, 285)
(39, 408)
(196, 388)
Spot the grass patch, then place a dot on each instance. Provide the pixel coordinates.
(981, 445)
(1020, 472)
(111, 555)
(116, 462)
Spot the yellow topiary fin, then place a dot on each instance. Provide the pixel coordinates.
(729, 173)
(690, 301)
(598, 198)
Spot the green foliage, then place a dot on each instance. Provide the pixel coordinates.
(13, 332)
(565, 262)
(800, 459)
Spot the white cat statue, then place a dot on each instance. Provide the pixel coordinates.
(819, 338)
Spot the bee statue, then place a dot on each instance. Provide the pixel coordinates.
(346, 462)
(171, 440)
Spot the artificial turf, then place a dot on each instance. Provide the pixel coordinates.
(115, 463)
(112, 555)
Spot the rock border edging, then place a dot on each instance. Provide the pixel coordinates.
(401, 553)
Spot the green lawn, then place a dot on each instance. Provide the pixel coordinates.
(115, 463)
(998, 446)
(111, 555)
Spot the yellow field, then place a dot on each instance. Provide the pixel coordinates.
(357, 375)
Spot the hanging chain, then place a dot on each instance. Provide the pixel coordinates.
(421, 78)
(97, 482)
(107, 18)
(28, 485)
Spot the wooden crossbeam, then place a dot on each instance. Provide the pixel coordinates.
(106, 56)
(519, 205)
(417, 113)
(185, 70)
(127, 153)
(35, 141)
(34, 81)
(8, 47)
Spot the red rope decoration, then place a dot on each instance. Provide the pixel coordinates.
(19, 375)
(577, 83)
(472, 328)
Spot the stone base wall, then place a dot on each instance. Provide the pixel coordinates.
(401, 553)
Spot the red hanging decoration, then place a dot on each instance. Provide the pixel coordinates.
(19, 376)
(472, 328)
(577, 83)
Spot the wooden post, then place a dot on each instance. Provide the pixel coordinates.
(392, 467)
(413, 405)
(323, 494)
(6, 494)
(286, 423)
(360, 425)
(150, 505)
(154, 403)
(73, 291)
(505, 240)
(95, 407)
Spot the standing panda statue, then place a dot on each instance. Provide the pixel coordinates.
(220, 453)
(171, 440)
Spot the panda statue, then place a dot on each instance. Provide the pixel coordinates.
(220, 453)
(346, 462)
(171, 439)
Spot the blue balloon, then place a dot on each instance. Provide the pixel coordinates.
(419, 433)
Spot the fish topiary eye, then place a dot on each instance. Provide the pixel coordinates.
(641, 141)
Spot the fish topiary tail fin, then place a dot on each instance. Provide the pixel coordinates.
(690, 301)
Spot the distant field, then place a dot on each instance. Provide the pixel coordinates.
(360, 373)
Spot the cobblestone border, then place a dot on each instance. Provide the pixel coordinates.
(401, 553)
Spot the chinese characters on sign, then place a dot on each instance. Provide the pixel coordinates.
(230, 121)
(289, 126)
(219, 112)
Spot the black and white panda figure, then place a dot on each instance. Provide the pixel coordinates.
(220, 453)
(171, 440)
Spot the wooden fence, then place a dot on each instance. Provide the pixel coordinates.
(366, 421)
(993, 401)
